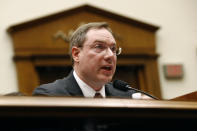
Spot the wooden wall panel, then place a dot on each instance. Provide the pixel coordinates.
(27, 76)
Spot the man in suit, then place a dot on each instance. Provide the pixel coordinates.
(94, 53)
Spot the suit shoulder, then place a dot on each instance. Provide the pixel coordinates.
(56, 88)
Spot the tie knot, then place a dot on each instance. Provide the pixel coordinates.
(98, 95)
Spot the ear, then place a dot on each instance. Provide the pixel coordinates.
(75, 53)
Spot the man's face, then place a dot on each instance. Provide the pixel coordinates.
(96, 60)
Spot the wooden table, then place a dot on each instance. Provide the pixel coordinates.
(66, 113)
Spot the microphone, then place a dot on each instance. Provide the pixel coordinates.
(124, 86)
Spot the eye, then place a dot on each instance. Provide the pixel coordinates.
(113, 49)
(99, 46)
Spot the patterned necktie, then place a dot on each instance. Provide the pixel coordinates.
(98, 95)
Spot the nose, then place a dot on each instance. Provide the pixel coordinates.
(109, 52)
(109, 55)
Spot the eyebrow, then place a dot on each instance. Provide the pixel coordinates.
(103, 42)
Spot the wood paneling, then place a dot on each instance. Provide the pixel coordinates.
(187, 97)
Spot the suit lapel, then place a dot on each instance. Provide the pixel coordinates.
(72, 86)
(112, 92)
(109, 90)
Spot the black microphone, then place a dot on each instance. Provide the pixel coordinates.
(122, 85)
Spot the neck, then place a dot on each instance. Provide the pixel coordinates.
(94, 85)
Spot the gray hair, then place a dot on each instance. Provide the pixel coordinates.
(78, 37)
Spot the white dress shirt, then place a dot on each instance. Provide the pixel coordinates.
(86, 89)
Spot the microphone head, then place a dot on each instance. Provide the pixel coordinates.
(121, 85)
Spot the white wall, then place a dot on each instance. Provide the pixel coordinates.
(176, 40)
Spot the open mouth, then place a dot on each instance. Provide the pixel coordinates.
(108, 68)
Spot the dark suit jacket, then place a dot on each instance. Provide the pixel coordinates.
(69, 87)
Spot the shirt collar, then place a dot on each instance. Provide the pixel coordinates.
(86, 89)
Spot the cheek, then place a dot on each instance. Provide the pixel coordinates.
(115, 59)
(90, 60)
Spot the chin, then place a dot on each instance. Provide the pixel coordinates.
(106, 79)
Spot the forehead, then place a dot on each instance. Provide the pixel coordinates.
(100, 35)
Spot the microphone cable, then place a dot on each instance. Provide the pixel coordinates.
(122, 85)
